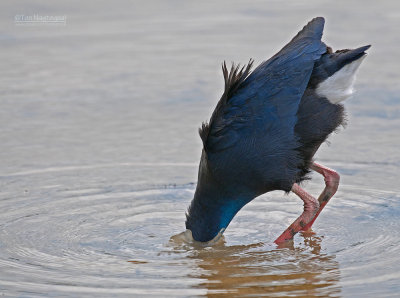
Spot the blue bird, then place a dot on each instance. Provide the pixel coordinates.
(266, 128)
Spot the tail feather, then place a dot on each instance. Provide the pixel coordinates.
(334, 74)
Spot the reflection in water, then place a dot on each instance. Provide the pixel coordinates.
(259, 270)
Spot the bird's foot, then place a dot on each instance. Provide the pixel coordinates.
(332, 179)
(311, 206)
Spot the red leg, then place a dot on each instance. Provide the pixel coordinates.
(331, 185)
(311, 206)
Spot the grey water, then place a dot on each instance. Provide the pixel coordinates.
(99, 152)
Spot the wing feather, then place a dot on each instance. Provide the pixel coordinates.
(269, 96)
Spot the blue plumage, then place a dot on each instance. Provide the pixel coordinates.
(264, 131)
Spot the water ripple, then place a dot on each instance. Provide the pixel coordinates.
(102, 240)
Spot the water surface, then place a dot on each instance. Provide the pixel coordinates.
(99, 153)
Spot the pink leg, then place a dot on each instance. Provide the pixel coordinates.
(331, 185)
(311, 206)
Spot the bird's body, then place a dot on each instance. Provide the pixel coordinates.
(267, 127)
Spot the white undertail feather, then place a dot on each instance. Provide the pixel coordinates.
(339, 86)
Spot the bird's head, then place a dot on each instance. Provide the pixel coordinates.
(216, 201)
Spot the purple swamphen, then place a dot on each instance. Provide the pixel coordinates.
(266, 128)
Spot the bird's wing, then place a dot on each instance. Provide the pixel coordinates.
(272, 92)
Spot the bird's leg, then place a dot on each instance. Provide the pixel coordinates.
(331, 185)
(311, 206)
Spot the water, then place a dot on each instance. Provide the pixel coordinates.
(99, 153)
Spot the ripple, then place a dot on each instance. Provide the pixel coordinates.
(91, 167)
(97, 239)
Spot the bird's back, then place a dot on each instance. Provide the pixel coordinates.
(251, 138)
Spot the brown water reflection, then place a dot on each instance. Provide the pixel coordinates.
(258, 270)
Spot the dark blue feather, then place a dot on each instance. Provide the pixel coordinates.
(261, 135)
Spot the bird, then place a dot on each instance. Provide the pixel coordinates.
(267, 127)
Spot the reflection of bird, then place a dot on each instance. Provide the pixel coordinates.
(266, 128)
(258, 271)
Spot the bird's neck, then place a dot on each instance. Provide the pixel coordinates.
(211, 211)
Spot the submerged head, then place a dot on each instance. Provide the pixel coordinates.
(215, 203)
